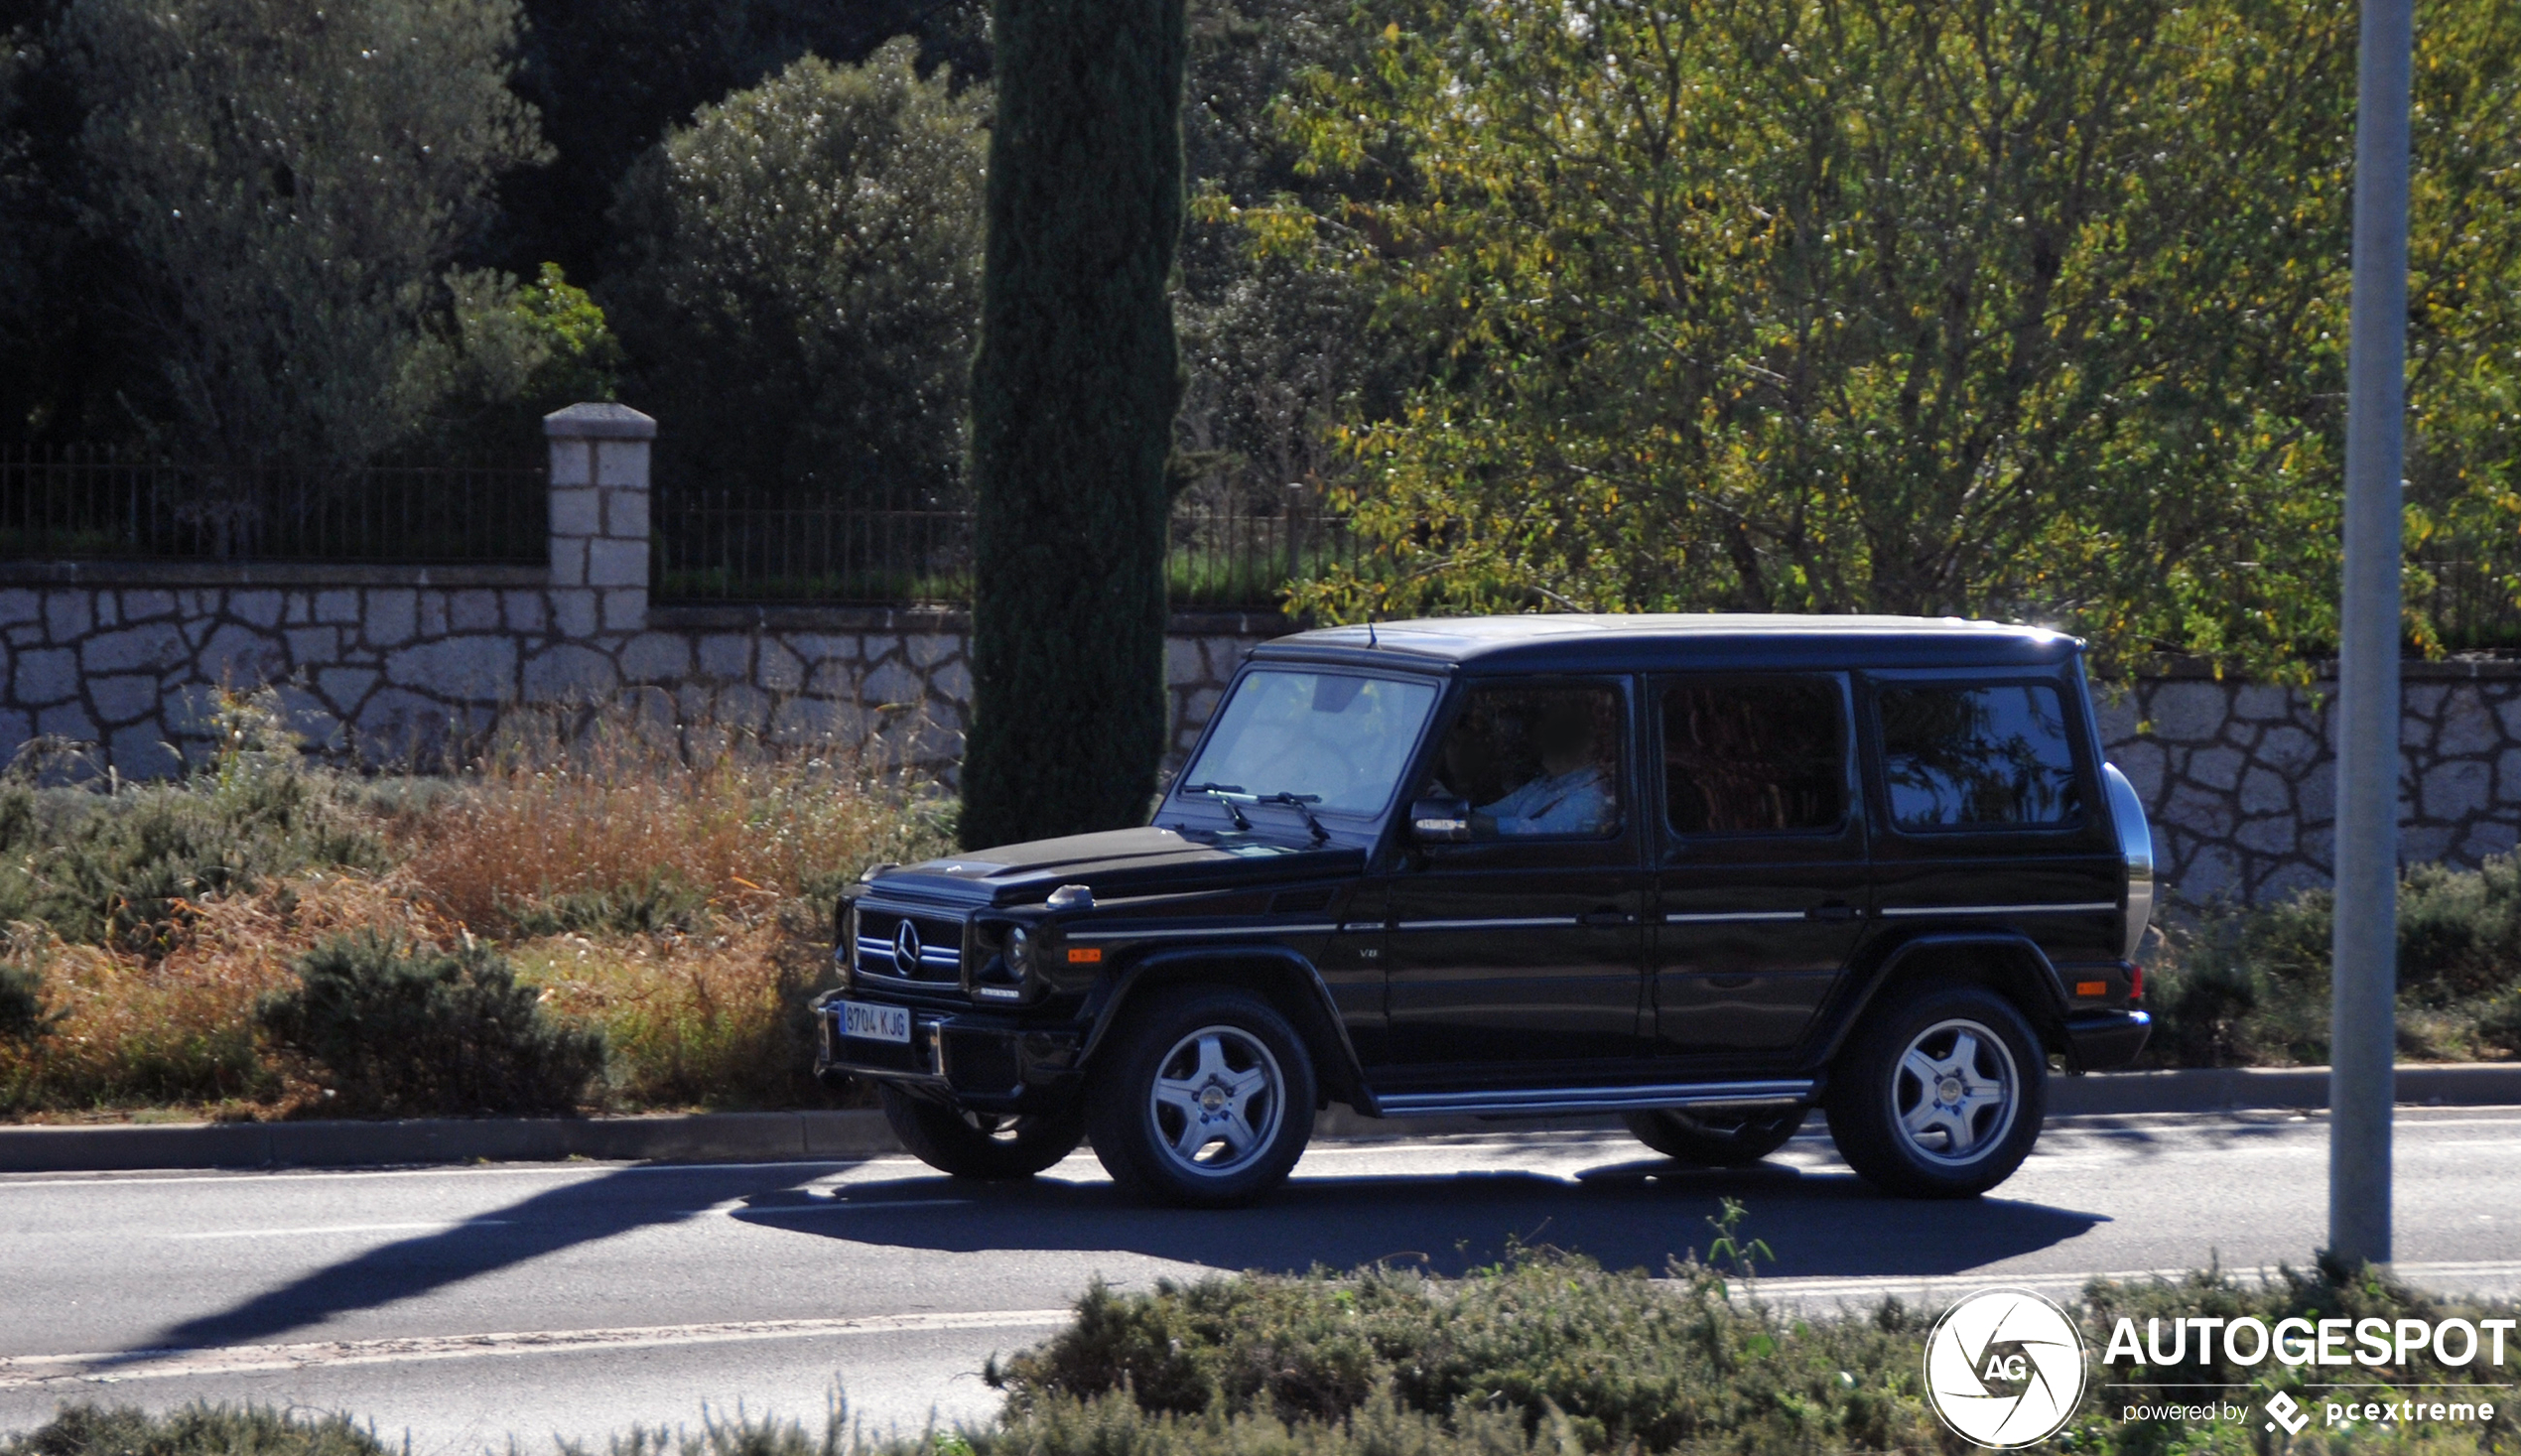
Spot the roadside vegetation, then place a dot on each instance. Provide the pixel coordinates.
(1542, 1355)
(2236, 987)
(608, 913)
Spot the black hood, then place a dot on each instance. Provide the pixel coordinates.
(1119, 865)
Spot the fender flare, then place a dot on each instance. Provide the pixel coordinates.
(2045, 1019)
(1348, 1076)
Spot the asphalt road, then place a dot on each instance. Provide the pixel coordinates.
(463, 1305)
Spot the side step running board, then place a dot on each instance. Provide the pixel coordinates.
(1551, 1100)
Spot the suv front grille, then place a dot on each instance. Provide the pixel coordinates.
(936, 939)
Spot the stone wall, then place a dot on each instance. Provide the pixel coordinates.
(2241, 778)
(382, 663)
(385, 663)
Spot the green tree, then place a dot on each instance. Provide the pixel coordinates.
(801, 281)
(1074, 390)
(506, 354)
(285, 181)
(1999, 308)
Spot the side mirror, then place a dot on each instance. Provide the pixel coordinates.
(1439, 821)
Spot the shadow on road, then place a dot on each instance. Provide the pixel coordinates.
(546, 1223)
(1626, 1216)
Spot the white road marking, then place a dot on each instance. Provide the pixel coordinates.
(21, 1372)
(2450, 1276)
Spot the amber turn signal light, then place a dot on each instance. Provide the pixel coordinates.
(1084, 954)
(2091, 987)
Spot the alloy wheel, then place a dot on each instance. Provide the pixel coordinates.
(1955, 1092)
(1217, 1101)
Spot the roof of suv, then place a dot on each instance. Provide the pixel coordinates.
(1573, 642)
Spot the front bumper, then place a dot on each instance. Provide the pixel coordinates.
(982, 1062)
(2100, 1040)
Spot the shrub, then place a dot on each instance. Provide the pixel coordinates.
(801, 279)
(402, 1030)
(22, 1014)
(122, 866)
(194, 1430)
(2246, 986)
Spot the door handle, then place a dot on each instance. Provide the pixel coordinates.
(1835, 910)
(1605, 919)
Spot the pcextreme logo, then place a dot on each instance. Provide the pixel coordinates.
(2004, 1367)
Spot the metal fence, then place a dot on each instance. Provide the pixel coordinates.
(92, 504)
(2469, 605)
(722, 546)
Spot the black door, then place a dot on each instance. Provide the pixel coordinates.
(1523, 951)
(1761, 881)
(1989, 793)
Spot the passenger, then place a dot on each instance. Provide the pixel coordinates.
(1573, 793)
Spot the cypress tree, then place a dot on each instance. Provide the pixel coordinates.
(1073, 395)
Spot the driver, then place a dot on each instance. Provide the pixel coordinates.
(1572, 794)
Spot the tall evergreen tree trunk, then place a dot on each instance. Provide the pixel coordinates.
(1073, 395)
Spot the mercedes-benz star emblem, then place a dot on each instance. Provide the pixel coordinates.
(906, 946)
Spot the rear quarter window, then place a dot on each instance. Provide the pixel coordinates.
(1972, 756)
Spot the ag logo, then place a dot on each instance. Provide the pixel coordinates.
(2004, 1367)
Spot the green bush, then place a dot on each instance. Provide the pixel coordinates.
(194, 1430)
(405, 1031)
(111, 863)
(22, 1014)
(800, 280)
(2251, 987)
(1574, 1355)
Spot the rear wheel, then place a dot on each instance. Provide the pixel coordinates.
(981, 1145)
(1940, 1094)
(1715, 1138)
(1205, 1100)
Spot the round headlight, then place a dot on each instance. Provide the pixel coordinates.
(1020, 951)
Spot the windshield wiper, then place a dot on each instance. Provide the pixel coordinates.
(1297, 803)
(1226, 794)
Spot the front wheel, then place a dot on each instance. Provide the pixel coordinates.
(980, 1145)
(1713, 1137)
(1940, 1094)
(1206, 1099)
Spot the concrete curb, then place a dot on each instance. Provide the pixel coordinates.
(839, 1136)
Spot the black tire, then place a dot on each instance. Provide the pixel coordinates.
(1959, 1132)
(1224, 1057)
(978, 1145)
(1715, 1138)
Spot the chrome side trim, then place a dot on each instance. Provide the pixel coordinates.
(1512, 923)
(1594, 1098)
(2079, 907)
(1083, 933)
(1735, 917)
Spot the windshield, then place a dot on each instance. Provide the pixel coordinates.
(1335, 739)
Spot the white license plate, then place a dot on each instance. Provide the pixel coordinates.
(874, 1023)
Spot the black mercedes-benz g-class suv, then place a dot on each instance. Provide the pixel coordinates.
(1705, 871)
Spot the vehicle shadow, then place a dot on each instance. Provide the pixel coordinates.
(1628, 1215)
(555, 1219)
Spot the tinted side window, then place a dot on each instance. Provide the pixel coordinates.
(1754, 758)
(1977, 757)
(1536, 761)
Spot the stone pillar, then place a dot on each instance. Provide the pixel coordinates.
(599, 518)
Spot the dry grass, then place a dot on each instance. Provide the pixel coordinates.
(625, 816)
(670, 885)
